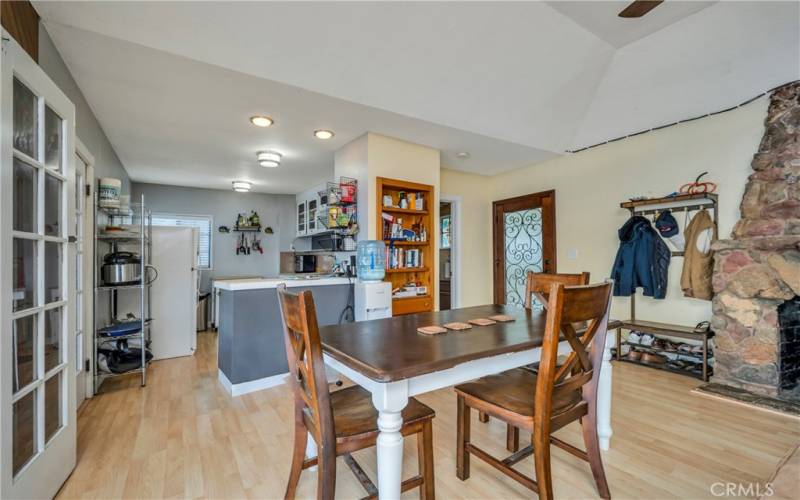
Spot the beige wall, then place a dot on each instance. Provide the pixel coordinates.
(397, 159)
(373, 155)
(589, 187)
(475, 243)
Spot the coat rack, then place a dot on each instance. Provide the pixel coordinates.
(650, 206)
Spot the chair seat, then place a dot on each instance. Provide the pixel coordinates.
(355, 415)
(514, 391)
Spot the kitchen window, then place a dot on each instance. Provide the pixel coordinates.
(203, 224)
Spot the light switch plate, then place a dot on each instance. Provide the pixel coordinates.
(572, 253)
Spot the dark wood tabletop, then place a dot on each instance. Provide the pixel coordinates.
(391, 349)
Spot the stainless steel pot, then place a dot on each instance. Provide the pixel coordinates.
(121, 268)
(121, 274)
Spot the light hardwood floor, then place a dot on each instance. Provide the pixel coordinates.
(182, 436)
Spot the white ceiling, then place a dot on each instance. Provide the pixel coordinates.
(174, 120)
(512, 83)
(619, 31)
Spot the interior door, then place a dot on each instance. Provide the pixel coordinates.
(524, 240)
(80, 281)
(37, 280)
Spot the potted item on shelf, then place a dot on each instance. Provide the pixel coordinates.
(255, 220)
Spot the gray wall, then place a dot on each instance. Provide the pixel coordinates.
(89, 131)
(275, 210)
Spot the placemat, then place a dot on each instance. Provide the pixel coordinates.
(431, 330)
(502, 318)
(482, 322)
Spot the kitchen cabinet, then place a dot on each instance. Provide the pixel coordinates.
(301, 219)
(310, 208)
(311, 213)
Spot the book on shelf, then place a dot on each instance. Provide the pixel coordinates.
(400, 258)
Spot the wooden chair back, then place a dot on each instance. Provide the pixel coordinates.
(306, 367)
(538, 285)
(567, 306)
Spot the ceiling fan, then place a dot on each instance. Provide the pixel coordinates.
(639, 8)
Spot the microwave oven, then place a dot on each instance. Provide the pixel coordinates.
(305, 263)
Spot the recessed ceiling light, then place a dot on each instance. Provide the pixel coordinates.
(242, 186)
(462, 155)
(269, 163)
(323, 134)
(261, 121)
(270, 155)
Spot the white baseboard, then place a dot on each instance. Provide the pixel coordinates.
(251, 386)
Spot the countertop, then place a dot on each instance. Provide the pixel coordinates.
(262, 283)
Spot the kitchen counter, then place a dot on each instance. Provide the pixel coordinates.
(291, 282)
(251, 354)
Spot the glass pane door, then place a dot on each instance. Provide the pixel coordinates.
(524, 241)
(38, 302)
(36, 333)
(523, 251)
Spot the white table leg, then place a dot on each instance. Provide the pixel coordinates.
(390, 399)
(604, 397)
(311, 450)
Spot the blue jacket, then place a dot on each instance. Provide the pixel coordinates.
(642, 260)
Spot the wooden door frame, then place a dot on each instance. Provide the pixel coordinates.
(547, 200)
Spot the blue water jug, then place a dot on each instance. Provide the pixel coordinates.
(370, 260)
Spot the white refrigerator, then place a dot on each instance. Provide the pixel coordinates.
(174, 293)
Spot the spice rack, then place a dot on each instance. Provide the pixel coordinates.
(412, 252)
(653, 206)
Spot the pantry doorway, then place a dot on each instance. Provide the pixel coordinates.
(449, 252)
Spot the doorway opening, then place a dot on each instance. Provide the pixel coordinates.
(449, 251)
(524, 240)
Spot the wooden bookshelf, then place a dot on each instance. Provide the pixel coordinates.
(411, 218)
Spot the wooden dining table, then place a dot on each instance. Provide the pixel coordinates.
(390, 359)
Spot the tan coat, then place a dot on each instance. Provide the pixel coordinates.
(698, 265)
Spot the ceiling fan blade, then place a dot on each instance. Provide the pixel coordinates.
(640, 8)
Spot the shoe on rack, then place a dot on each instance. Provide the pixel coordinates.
(660, 344)
(647, 340)
(634, 338)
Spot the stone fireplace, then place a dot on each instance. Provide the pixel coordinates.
(756, 307)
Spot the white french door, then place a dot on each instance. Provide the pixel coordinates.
(37, 280)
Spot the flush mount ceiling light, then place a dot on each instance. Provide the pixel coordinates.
(261, 120)
(269, 158)
(463, 155)
(323, 134)
(242, 186)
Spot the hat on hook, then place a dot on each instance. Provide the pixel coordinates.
(666, 224)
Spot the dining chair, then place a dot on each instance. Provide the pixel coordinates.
(339, 422)
(537, 286)
(546, 401)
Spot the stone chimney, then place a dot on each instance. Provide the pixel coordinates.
(756, 308)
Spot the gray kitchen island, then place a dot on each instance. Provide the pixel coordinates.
(251, 354)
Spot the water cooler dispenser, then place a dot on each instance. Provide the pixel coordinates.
(373, 296)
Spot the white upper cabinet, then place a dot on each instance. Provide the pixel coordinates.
(311, 211)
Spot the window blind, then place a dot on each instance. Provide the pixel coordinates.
(203, 224)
